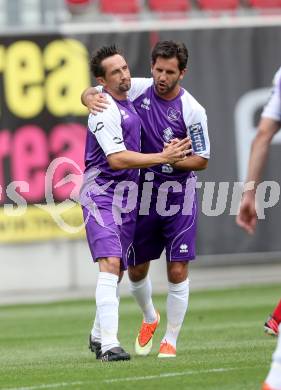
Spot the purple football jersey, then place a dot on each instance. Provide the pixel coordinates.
(105, 192)
(111, 131)
(163, 120)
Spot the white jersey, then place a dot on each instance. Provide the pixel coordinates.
(273, 108)
(106, 127)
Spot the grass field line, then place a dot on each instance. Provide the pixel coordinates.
(169, 375)
(127, 379)
(47, 386)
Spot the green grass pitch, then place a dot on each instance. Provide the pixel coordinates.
(221, 346)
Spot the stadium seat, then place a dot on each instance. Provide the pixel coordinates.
(218, 4)
(78, 6)
(78, 2)
(169, 5)
(120, 6)
(265, 3)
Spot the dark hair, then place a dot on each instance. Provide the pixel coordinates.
(170, 49)
(101, 54)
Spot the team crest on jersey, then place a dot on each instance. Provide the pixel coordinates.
(197, 137)
(146, 103)
(173, 114)
(168, 134)
(124, 114)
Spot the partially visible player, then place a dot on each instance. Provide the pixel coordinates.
(111, 158)
(273, 379)
(269, 124)
(273, 321)
(167, 112)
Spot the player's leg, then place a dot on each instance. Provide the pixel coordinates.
(105, 247)
(179, 232)
(177, 304)
(108, 309)
(147, 246)
(141, 289)
(273, 321)
(273, 379)
(95, 335)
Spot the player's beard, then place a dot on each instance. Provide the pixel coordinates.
(165, 89)
(125, 86)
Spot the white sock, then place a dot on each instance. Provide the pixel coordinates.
(142, 291)
(177, 303)
(96, 332)
(107, 307)
(274, 376)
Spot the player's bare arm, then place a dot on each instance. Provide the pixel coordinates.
(172, 153)
(94, 100)
(247, 216)
(192, 163)
(260, 148)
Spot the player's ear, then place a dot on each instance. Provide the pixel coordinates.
(182, 73)
(101, 81)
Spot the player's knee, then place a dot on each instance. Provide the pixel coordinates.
(110, 265)
(177, 273)
(137, 273)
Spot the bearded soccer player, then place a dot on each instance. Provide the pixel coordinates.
(112, 158)
(167, 112)
(269, 124)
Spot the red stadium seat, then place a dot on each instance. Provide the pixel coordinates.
(78, 2)
(120, 6)
(265, 3)
(218, 4)
(169, 5)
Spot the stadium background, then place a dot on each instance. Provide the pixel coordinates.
(44, 68)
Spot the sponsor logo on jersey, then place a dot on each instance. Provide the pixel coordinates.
(118, 140)
(184, 248)
(99, 127)
(145, 103)
(168, 134)
(167, 168)
(197, 137)
(124, 114)
(173, 114)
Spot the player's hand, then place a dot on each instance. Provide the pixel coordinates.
(174, 141)
(247, 215)
(96, 103)
(177, 150)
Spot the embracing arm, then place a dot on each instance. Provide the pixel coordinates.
(94, 100)
(192, 163)
(127, 159)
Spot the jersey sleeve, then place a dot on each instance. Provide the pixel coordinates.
(138, 87)
(106, 127)
(196, 123)
(273, 107)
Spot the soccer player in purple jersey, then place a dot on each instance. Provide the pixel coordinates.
(269, 124)
(112, 155)
(167, 112)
